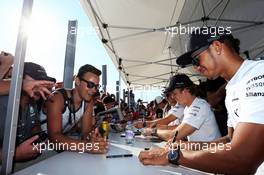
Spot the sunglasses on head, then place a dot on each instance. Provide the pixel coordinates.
(90, 84)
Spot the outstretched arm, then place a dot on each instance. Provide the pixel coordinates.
(183, 131)
(242, 156)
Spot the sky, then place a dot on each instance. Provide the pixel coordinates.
(47, 39)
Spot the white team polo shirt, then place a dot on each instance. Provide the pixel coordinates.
(245, 94)
(200, 116)
(177, 111)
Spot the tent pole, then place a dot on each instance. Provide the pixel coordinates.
(119, 89)
(222, 12)
(148, 78)
(245, 27)
(70, 54)
(162, 64)
(140, 61)
(211, 11)
(15, 91)
(104, 77)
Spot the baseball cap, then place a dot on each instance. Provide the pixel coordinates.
(36, 71)
(200, 40)
(158, 99)
(108, 99)
(178, 81)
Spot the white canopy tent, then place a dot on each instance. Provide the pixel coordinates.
(136, 33)
(135, 36)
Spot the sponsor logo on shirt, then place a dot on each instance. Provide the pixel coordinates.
(255, 78)
(235, 111)
(254, 85)
(254, 94)
(235, 99)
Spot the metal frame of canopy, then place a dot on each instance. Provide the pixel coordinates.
(8, 150)
(208, 15)
(122, 69)
(9, 140)
(15, 91)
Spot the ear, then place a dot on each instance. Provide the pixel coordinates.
(217, 45)
(185, 90)
(77, 81)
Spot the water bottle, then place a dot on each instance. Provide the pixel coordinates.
(129, 133)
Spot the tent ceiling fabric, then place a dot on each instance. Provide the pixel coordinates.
(246, 19)
(136, 31)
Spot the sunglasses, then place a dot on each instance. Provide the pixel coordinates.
(91, 85)
(195, 55)
(196, 61)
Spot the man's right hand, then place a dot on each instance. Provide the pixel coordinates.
(100, 144)
(147, 131)
(26, 151)
(139, 125)
(32, 87)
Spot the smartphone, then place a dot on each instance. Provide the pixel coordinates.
(42, 137)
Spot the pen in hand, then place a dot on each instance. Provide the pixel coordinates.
(119, 155)
(175, 137)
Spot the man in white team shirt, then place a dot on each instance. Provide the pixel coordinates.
(198, 123)
(214, 55)
(170, 121)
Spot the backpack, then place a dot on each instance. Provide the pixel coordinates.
(67, 104)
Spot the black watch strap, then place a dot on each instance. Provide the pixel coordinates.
(154, 131)
(144, 124)
(175, 161)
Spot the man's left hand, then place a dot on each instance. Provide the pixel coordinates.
(156, 156)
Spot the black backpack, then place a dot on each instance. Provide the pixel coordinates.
(67, 103)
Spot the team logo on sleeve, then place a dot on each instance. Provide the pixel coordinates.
(193, 114)
(194, 110)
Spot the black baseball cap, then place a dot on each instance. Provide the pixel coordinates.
(178, 81)
(200, 40)
(37, 72)
(108, 99)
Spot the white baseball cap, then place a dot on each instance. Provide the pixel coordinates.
(158, 99)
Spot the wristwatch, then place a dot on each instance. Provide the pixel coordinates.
(144, 124)
(173, 156)
(154, 131)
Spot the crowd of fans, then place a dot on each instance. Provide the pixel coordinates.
(185, 112)
(46, 106)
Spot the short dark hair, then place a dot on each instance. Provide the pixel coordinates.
(88, 68)
(233, 43)
(192, 89)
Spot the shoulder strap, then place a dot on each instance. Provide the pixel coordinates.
(67, 103)
(65, 97)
